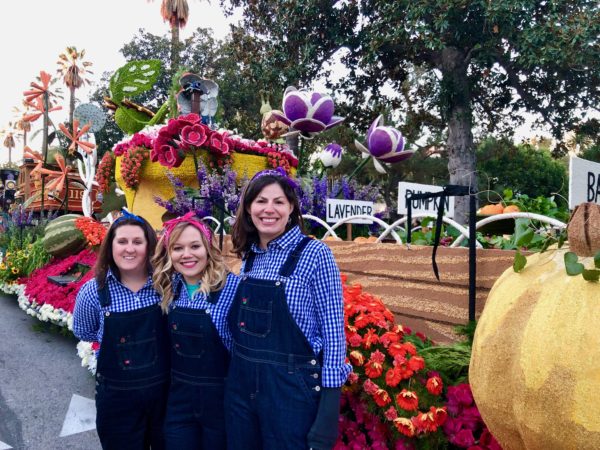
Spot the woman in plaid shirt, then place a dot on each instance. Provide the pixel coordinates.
(287, 327)
(120, 309)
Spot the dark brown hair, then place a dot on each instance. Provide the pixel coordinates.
(244, 233)
(105, 256)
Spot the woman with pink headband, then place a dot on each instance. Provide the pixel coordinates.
(196, 287)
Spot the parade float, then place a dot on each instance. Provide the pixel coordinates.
(406, 391)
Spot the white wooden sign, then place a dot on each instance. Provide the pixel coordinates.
(341, 209)
(584, 181)
(429, 206)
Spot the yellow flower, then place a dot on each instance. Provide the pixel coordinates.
(8, 254)
(15, 270)
(2, 266)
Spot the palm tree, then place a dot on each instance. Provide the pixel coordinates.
(73, 70)
(176, 12)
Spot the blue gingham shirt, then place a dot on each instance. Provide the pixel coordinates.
(314, 298)
(88, 316)
(218, 312)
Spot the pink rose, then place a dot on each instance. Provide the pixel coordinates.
(190, 118)
(194, 135)
(170, 156)
(219, 145)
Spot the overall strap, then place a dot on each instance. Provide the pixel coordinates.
(104, 295)
(292, 260)
(249, 261)
(213, 297)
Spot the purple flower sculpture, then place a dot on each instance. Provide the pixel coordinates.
(307, 113)
(384, 144)
(331, 156)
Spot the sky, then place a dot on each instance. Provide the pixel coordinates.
(35, 32)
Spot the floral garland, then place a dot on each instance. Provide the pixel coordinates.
(131, 165)
(105, 172)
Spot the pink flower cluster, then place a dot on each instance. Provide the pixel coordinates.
(137, 140)
(42, 291)
(464, 426)
(187, 133)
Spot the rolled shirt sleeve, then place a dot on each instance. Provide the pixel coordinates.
(86, 324)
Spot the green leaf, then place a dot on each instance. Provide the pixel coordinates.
(130, 120)
(134, 78)
(572, 264)
(523, 232)
(591, 275)
(597, 260)
(562, 238)
(519, 262)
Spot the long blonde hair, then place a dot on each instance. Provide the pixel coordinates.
(214, 275)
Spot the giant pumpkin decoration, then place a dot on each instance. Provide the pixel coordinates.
(535, 367)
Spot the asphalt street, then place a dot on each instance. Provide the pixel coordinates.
(46, 397)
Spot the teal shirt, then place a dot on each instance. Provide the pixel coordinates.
(191, 288)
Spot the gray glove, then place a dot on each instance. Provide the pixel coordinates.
(324, 431)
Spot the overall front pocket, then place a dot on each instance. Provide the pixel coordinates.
(137, 354)
(256, 321)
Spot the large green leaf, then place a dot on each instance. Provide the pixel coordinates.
(519, 262)
(523, 233)
(130, 120)
(134, 78)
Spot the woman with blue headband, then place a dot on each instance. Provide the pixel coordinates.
(287, 327)
(120, 309)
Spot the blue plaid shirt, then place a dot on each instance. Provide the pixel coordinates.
(314, 298)
(218, 312)
(88, 316)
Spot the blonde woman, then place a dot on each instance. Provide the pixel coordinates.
(196, 288)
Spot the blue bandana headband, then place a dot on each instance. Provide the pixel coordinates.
(127, 215)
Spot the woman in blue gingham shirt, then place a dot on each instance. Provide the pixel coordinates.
(120, 309)
(287, 327)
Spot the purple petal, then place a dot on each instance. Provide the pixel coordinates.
(374, 125)
(401, 156)
(335, 120)
(307, 125)
(323, 109)
(279, 115)
(380, 142)
(315, 97)
(335, 149)
(295, 106)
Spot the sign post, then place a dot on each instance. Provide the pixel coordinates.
(342, 209)
(428, 204)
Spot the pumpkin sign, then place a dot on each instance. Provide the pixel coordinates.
(535, 366)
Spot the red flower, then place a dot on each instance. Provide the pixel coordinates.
(439, 414)
(381, 397)
(219, 145)
(424, 422)
(388, 337)
(391, 413)
(396, 349)
(370, 387)
(355, 340)
(393, 377)
(407, 400)
(95, 346)
(416, 363)
(352, 378)
(370, 338)
(405, 426)
(170, 157)
(357, 358)
(194, 135)
(434, 385)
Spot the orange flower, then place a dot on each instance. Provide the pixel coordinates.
(434, 385)
(381, 397)
(396, 349)
(39, 107)
(357, 358)
(410, 348)
(362, 320)
(389, 337)
(416, 363)
(404, 426)
(38, 89)
(407, 400)
(371, 337)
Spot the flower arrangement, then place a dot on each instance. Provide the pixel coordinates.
(21, 258)
(92, 230)
(389, 376)
(40, 291)
(187, 134)
(215, 188)
(87, 352)
(464, 426)
(131, 164)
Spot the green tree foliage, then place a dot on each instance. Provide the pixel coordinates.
(521, 168)
(461, 61)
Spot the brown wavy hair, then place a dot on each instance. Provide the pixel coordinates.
(214, 275)
(106, 259)
(244, 233)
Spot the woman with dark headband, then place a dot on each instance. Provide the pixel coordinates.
(287, 326)
(196, 287)
(120, 309)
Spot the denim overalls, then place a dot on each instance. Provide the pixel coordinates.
(273, 388)
(132, 378)
(199, 361)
